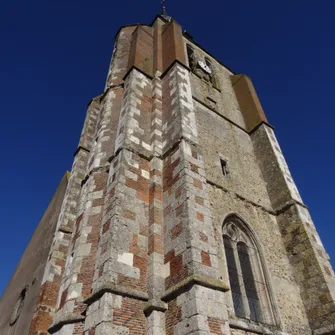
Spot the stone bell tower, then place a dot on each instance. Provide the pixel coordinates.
(180, 215)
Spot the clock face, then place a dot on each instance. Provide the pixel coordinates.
(205, 67)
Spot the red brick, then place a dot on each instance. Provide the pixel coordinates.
(205, 258)
(200, 217)
(203, 237)
(176, 230)
(197, 183)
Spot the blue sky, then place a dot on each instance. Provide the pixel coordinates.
(54, 58)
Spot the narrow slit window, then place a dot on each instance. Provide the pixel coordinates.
(224, 167)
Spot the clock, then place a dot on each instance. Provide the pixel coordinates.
(205, 67)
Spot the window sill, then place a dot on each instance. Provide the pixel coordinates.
(255, 328)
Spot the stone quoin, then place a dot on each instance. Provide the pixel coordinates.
(180, 215)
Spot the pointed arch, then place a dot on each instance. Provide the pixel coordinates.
(253, 299)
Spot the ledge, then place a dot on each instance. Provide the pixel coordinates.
(189, 282)
(176, 61)
(255, 328)
(102, 168)
(65, 229)
(324, 330)
(155, 305)
(241, 197)
(116, 289)
(260, 124)
(67, 319)
(288, 205)
(110, 87)
(97, 98)
(80, 148)
(218, 114)
(134, 67)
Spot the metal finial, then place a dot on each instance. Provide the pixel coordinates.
(164, 8)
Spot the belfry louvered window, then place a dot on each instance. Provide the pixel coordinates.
(249, 292)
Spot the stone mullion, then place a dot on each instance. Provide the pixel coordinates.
(245, 302)
(51, 282)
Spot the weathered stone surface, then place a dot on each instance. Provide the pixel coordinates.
(173, 154)
(30, 271)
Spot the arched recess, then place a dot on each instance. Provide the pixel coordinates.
(252, 295)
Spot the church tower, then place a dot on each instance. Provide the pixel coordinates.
(180, 215)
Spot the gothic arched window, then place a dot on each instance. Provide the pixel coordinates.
(249, 291)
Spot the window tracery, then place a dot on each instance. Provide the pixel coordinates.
(249, 291)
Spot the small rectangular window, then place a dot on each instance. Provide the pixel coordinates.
(224, 167)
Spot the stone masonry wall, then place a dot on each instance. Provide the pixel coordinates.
(220, 98)
(258, 176)
(138, 246)
(309, 261)
(58, 256)
(243, 191)
(30, 270)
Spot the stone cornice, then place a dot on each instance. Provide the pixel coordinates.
(116, 289)
(67, 319)
(189, 282)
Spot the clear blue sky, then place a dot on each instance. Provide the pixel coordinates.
(54, 57)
